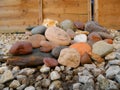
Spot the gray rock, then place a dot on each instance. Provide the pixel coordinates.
(112, 85)
(67, 24)
(117, 78)
(55, 85)
(112, 71)
(22, 79)
(30, 88)
(110, 56)
(2, 86)
(6, 76)
(6, 88)
(14, 84)
(27, 71)
(84, 79)
(45, 69)
(118, 55)
(90, 66)
(56, 51)
(76, 86)
(97, 71)
(38, 30)
(39, 78)
(114, 62)
(54, 75)
(21, 87)
(88, 86)
(45, 83)
(102, 48)
(2, 69)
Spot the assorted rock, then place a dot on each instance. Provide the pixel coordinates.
(83, 65)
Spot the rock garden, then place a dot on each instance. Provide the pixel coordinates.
(61, 56)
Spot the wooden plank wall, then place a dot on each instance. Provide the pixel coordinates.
(16, 15)
(107, 13)
(75, 10)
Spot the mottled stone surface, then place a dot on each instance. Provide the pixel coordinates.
(69, 57)
(21, 47)
(57, 36)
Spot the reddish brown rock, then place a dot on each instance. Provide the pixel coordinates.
(82, 48)
(35, 40)
(21, 47)
(110, 41)
(85, 59)
(57, 36)
(45, 46)
(94, 36)
(50, 62)
(79, 25)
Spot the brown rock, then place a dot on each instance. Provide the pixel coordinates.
(35, 40)
(79, 25)
(69, 57)
(57, 36)
(50, 62)
(110, 41)
(85, 59)
(45, 46)
(21, 47)
(33, 59)
(94, 36)
(71, 33)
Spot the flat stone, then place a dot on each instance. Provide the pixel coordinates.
(38, 30)
(112, 71)
(6, 76)
(102, 48)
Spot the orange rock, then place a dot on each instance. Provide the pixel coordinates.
(82, 47)
(96, 57)
(110, 41)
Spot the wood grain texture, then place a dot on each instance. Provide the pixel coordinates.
(107, 13)
(16, 15)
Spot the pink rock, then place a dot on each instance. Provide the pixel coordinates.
(21, 47)
(50, 62)
(45, 46)
(57, 36)
(35, 40)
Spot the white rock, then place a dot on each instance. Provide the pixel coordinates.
(44, 69)
(27, 71)
(54, 75)
(110, 56)
(6, 88)
(39, 78)
(2, 69)
(112, 71)
(14, 84)
(114, 62)
(21, 87)
(6, 76)
(57, 68)
(90, 66)
(84, 79)
(76, 86)
(117, 77)
(112, 85)
(62, 68)
(80, 38)
(30, 88)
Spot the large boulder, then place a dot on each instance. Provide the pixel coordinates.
(21, 47)
(57, 36)
(69, 57)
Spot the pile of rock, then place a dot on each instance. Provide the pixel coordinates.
(66, 56)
